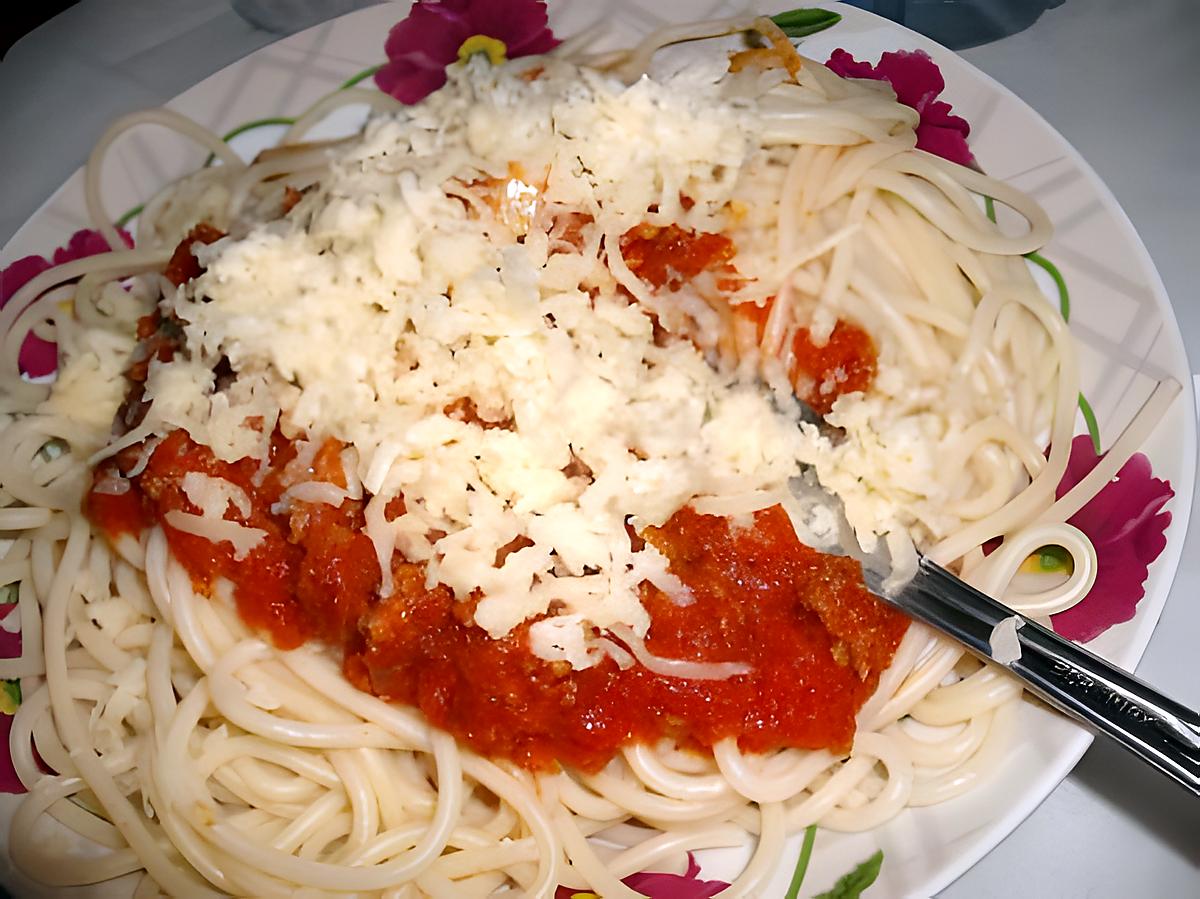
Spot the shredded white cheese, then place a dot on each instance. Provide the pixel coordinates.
(420, 274)
(212, 496)
(311, 492)
(562, 638)
(143, 459)
(678, 667)
(217, 530)
(89, 387)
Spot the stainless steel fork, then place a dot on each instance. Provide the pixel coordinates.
(1158, 730)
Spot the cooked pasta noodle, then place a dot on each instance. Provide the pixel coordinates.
(185, 745)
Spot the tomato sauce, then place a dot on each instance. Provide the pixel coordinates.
(309, 578)
(845, 363)
(815, 639)
(118, 513)
(183, 265)
(671, 256)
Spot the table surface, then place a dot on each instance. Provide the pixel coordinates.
(1117, 79)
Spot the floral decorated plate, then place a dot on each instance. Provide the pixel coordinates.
(1121, 318)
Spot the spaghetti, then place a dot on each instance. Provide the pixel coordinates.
(188, 745)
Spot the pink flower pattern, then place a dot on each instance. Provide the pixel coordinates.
(1127, 525)
(917, 81)
(39, 357)
(420, 46)
(9, 782)
(655, 885)
(10, 648)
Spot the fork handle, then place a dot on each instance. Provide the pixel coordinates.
(1160, 731)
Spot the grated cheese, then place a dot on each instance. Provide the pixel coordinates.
(216, 530)
(89, 386)
(400, 286)
(213, 495)
(310, 492)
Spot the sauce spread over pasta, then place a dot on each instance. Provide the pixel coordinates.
(490, 412)
(821, 372)
(845, 363)
(813, 638)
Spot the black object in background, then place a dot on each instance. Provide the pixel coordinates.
(17, 20)
(959, 24)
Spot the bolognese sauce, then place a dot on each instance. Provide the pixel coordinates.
(821, 372)
(813, 639)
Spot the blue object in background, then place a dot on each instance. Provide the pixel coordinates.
(959, 24)
(956, 24)
(290, 16)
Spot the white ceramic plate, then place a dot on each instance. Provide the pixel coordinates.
(1120, 315)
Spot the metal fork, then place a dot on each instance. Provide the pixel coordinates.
(1158, 730)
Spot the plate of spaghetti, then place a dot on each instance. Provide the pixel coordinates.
(427, 487)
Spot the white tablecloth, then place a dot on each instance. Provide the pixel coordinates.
(1118, 79)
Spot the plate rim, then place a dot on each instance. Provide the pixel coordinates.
(1146, 619)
